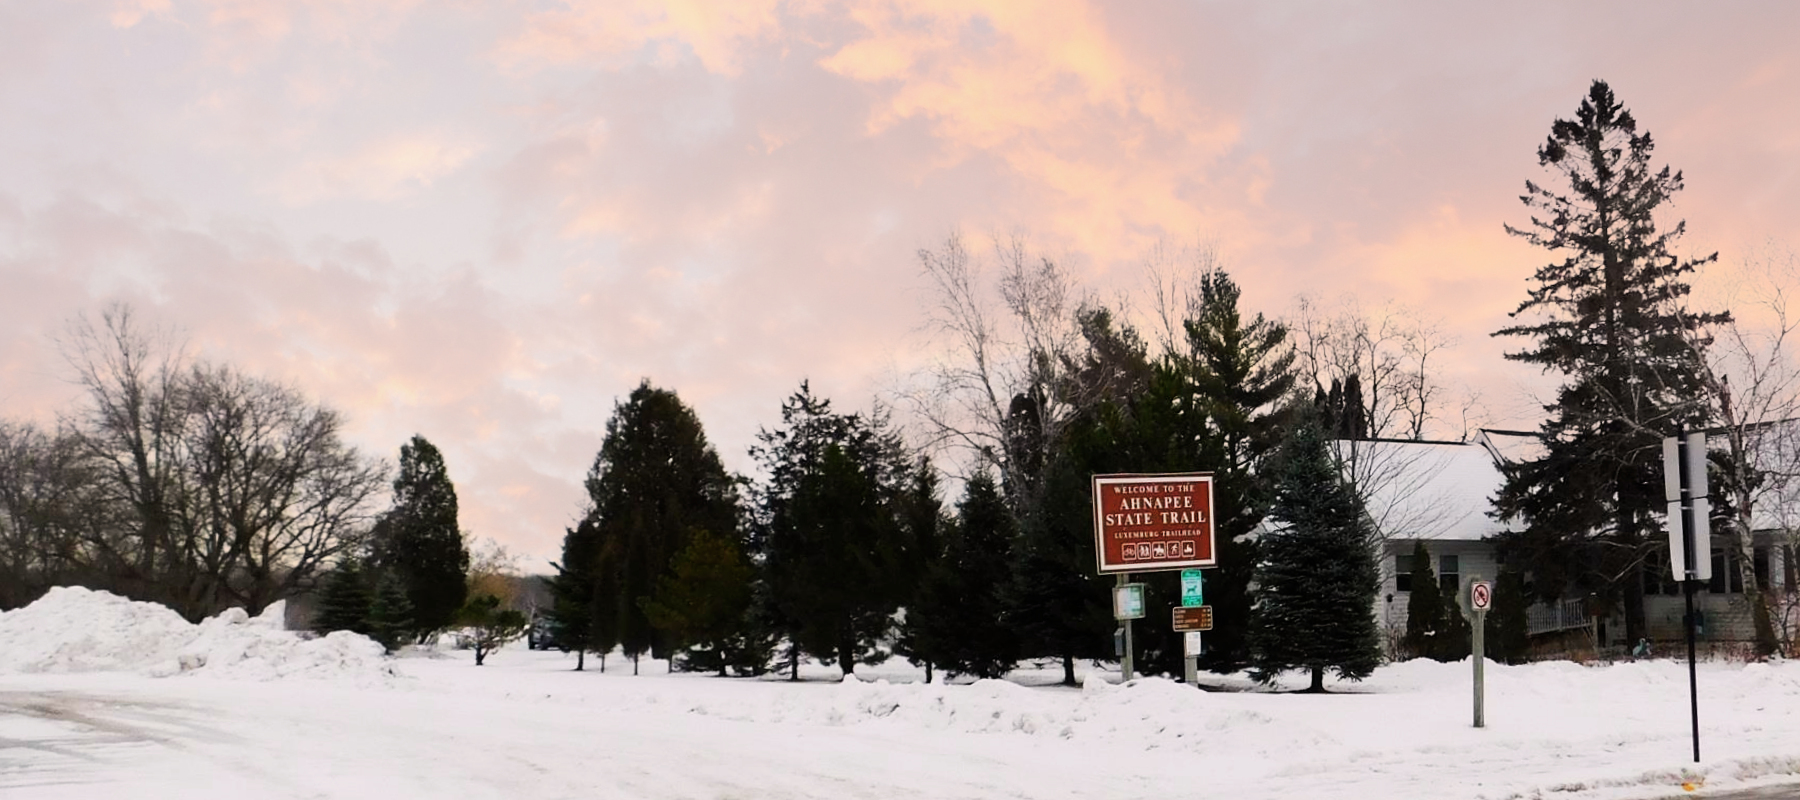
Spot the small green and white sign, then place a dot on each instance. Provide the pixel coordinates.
(1190, 588)
(1128, 601)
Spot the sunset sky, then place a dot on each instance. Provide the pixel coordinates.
(486, 221)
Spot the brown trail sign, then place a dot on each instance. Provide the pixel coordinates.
(1148, 523)
(1193, 618)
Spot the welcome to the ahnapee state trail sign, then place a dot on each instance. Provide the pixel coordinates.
(1146, 523)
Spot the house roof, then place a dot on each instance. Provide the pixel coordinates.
(1425, 490)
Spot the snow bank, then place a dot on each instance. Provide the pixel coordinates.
(72, 629)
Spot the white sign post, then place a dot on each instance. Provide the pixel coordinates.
(1481, 598)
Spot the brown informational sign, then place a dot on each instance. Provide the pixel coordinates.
(1146, 523)
(1193, 618)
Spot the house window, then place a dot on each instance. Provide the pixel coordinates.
(1449, 574)
(1760, 563)
(1403, 572)
(1725, 578)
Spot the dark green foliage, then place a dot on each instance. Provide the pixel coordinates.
(703, 602)
(418, 540)
(390, 613)
(922, 518)
(1507, 628)
(960, 618)
(833, 548)
(489, 626)
(1242, 371)
(655, 480)
(1457, 640)
(1057, 604)
(573, 592)
(344, 601)
(1604, 316)
(1317, 578)
(1424, 607)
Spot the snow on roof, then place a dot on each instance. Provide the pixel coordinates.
(1425, 490)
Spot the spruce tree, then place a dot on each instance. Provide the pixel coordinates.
(490, 626)
(922, 518)
(962, 614)
(1602, 314)
(573, 588)
(1507, 628)
(1457, 639)
(702, 604)
(390, 613)
(833, 548)
(655, 480)
(1317, 578)
(1424, 607)
(344, 601)
(419, 542)
(1242, 368)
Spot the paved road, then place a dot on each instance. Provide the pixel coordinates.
(1785, 792)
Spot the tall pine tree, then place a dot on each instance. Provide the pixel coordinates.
(1424, 606)
(344, 601)
(961, 615)
(655, 480)
(418, 540)
(1602, 315)
(833, 548)
(1317, 579)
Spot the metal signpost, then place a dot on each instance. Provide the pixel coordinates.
(1151, 523)
(1481, 598)
(1192, 596)
(1690, 538)
(1128, 604)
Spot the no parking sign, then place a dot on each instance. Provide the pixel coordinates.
(1481, 595)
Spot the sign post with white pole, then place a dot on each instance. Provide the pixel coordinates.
(1481, 598)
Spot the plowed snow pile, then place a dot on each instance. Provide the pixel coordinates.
(71, 629)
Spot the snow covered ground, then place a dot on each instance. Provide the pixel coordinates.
(100, 697)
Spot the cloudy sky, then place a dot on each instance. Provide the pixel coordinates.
(484, 221)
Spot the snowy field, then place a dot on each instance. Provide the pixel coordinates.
(100, 697)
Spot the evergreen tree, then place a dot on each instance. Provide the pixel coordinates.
(961, 616)
(418, 540)
(573, 590)
(1242, 368)
(1424, 607)
(922, 518)
(344, 601)
(703, 602)
(1317, 579)
(1603, 315)
(1457, 640)
(655, 480)
(390, 613)
(1507, 628)
(830, 539)
(490, 626)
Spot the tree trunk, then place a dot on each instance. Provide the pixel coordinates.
(793, 663)
(847, 658)
(1630, 535)
(1760, 617)
(634, 663)
(580, 658)
(927, 672)
(1068, 670)
(1318, 681)
(480, 655)
(602, 663)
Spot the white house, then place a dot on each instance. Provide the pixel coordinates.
(1442, 493)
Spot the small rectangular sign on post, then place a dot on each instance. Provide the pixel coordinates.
(1192, 644)
(1481, 596)
(1191, 588)
(1193, 618)
(1128, 601)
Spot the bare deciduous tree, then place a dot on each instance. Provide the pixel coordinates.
(1005, 329)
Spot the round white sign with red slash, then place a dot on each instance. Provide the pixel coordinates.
(1481, 595)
